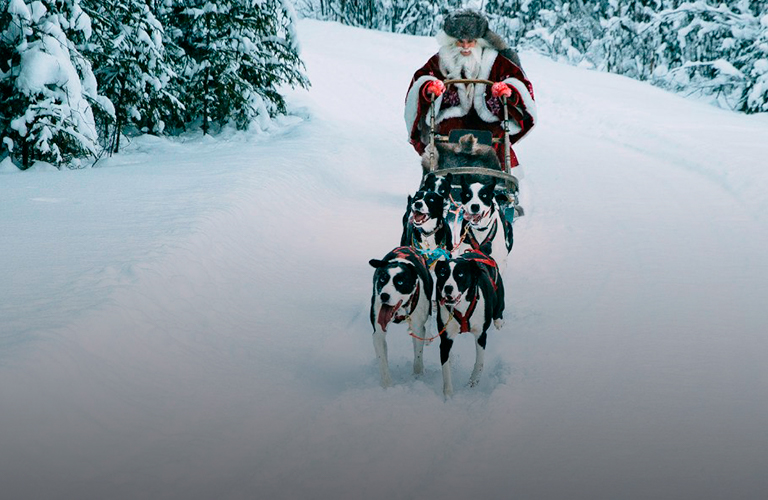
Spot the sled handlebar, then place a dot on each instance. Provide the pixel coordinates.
(467, 80)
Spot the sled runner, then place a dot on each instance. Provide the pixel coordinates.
(466, 158)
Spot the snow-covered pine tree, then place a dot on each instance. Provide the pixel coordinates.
(10, 103)
(698, 45)
(237, 53)
(132, 67)
(509, 18)
(553, 27)
(414, 17)
(754, 64)
(623, 45)
(48, 86)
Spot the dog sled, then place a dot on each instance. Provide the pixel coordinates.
(470, 164)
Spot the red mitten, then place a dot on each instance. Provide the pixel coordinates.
(500, 89)
(433, 89)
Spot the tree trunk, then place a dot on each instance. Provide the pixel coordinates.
(25, 154)
(119, 117)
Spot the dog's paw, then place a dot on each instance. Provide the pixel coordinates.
(474, 379)
(498, 323)
(386, 382)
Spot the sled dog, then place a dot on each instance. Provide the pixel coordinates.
(484, 226)
(402, 291)
(424, 226)
(470, 295)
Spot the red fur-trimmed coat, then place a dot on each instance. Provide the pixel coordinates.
(457, 109)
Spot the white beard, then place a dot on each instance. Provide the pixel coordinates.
(461, 66)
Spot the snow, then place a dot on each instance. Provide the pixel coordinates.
(7, 166)
(40, 69)
(19, 8)
(190, 319)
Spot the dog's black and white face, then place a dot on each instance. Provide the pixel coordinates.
(426, 211)
(440, 184)
(454, 279)
(478, 202)
(394, 283)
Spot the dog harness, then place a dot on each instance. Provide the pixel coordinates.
(409, 306)
(463, 319)
(407, 254)
(472, 241)
(492, 267)
(432, 255)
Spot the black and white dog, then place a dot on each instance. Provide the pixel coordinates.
(402, 291)
(470, 295)
(424, 226)
(484, 226)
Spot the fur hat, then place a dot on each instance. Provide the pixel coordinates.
(469, 24)
(466, 24)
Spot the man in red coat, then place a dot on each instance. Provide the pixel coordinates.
(469, 50)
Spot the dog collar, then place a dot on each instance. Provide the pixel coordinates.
(437, 228)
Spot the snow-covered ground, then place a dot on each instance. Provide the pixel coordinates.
(190, 320)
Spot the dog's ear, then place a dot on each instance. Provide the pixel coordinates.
(473, 267)
(377, 263)
(489, 188)
(429, 178)
(449, 178)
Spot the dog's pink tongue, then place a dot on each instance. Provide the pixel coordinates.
(386, 313)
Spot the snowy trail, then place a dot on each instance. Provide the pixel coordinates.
(229, 355)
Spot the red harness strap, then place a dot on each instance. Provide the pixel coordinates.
(406, 253)
(493, 268)
(464, 318)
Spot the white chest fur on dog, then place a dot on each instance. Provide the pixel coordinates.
(402, 292)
